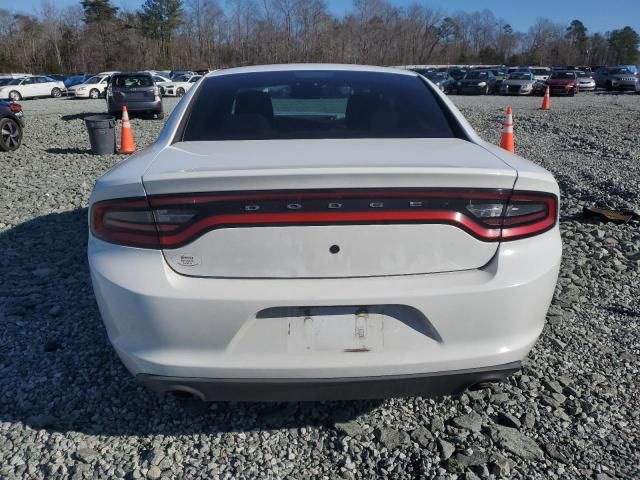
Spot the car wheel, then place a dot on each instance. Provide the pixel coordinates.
(10, 134)
(56, 92)
(485, 90)
(94, 93)
(158, 115)
(180, 92)
(15, 96)
(572, 92)
(608, 86)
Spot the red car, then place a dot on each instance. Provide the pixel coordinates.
(563, 83)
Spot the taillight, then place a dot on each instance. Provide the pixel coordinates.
(171, 221)
(528, 214)
(15, 107)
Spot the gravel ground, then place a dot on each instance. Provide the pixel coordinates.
(68, 408)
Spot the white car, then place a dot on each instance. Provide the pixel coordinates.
(541, 74)
(161, 81)
(305, 232)
(178, 88)
(94, 87)
(31, 87)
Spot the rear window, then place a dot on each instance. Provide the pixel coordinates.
(314, 104)
(132, 81)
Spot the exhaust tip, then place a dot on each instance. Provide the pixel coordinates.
(182, 392)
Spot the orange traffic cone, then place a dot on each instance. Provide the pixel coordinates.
(546, 101)
(127, 144)
(506, 137)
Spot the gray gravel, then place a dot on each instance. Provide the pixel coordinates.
(68, 408)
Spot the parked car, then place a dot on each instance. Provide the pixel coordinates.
(457, 73)
(181, 85)
(32, 87)
(615, 78)
(518, 83)
(135, 90)
(586, 83)
(541, 73)
(5, 81)
(228, 266)
(11, 125)
(500, 75)
(481, 82)
(563, 82)
(161, 81)
(442, 80)
(94, 87)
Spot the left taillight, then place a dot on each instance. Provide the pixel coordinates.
(127, 222)
(15, 107)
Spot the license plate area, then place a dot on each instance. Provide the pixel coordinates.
(335, 329)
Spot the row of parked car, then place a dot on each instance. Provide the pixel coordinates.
(16, 87)
(567, 80)
(141, 91)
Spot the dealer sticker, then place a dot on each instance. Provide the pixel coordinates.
(187, 260)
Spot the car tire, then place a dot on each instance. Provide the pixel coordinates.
(10, 135)
(94, 93)
(485, 90)
(15, 96)
(56, 92)
(572, 92)
(180, 92)
(158, 115)
(608, 86)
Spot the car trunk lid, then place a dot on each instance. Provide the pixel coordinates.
(324, 208)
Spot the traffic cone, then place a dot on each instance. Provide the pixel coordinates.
(546, 101)
(506, 137)
(127, 144)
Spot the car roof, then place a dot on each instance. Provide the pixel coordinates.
(290, 67)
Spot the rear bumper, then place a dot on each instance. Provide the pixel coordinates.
(163, 324)
(137, 106)
(318, 389)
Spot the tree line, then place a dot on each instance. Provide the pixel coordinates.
(95, 35)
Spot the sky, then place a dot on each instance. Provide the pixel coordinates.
(519, 13)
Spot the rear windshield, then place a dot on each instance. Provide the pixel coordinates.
(314, 104)
(132, 81)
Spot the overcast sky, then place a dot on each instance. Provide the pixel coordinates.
(598, 16)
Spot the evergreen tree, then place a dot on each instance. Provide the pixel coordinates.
(624, 45)
(98, 11)
(159, 19)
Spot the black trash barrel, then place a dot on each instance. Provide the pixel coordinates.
(102, 134)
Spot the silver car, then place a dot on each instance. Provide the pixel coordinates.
(518, 83)
(586, 83)
(616, 78)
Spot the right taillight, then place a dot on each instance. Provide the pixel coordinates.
(528, 214)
